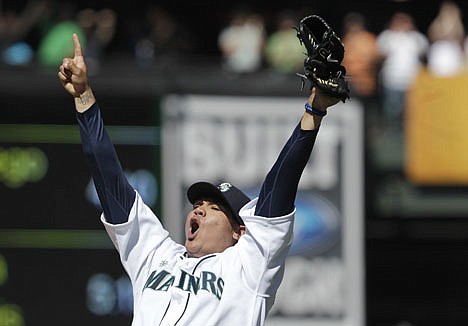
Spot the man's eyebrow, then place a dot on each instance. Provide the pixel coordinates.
(210, 201)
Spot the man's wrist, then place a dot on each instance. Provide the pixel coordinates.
(314, 110)
(85, 100)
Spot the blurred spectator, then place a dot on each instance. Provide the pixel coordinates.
(98, 27)
(446, 34)
(161, 39)
(361, 55)
(361, 60)
(402, 47)
(241, 42)
(56, 43)
(14, 27)
(283, 51)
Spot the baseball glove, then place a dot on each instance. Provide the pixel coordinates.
(325, 52)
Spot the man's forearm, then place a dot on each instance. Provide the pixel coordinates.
(115, 193)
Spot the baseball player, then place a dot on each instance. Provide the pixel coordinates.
(232, 262)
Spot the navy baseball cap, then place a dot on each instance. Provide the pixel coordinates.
(227, 194)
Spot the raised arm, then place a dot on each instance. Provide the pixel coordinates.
(279, 188)
(115, 193)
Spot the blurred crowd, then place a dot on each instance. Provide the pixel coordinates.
(381, 63)
(39, 32)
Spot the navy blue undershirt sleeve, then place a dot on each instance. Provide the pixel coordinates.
(279, 188)
(115, 193)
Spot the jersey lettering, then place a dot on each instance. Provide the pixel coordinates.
(155, 279)
(208, 278)
(162, 280)
(166, 284)
(193, 284)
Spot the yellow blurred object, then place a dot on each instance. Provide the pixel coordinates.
(436, 130)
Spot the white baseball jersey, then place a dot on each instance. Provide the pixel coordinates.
(235, 287)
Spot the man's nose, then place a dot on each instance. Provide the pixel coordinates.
(200, 210)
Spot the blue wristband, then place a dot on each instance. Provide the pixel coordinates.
(314, 111)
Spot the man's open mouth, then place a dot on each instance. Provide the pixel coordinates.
(194, 226)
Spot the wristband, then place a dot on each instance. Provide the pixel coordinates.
(314, 111)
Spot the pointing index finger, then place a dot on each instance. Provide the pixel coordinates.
(76, 41)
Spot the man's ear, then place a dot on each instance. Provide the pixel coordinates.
(237, 234)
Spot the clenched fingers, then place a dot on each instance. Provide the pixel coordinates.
(70, 65)
(64, 71)
(63, 78)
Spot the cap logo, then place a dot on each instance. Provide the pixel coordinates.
(224, 187)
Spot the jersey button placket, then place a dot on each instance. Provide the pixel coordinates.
(178, 302)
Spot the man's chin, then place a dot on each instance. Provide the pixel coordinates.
(194, 255)
(191, 251)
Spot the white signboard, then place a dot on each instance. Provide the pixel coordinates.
(237, 139)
